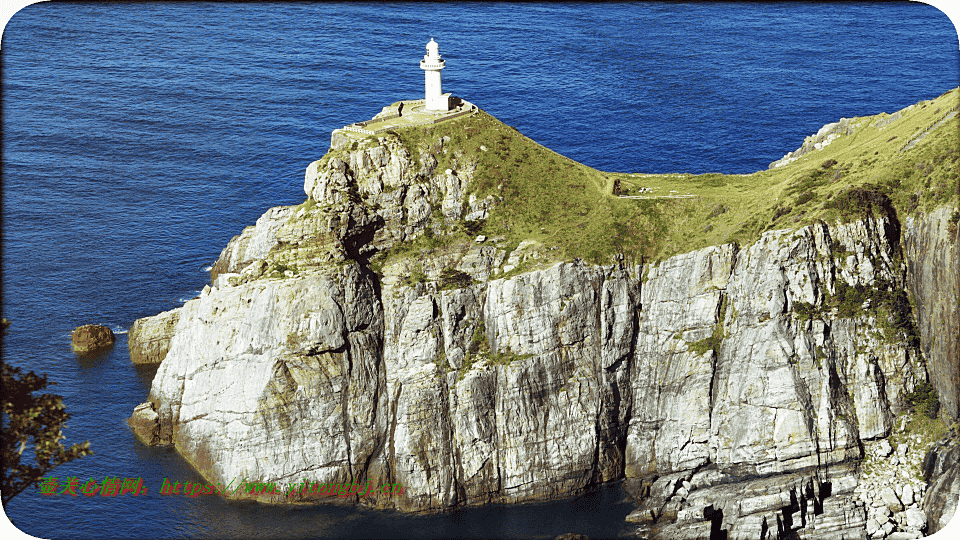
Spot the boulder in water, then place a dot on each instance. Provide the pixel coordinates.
(91, 337)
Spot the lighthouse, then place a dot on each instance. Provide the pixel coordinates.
(431, 65)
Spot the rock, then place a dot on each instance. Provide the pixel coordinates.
(894, 461)
(932, 252)
(149, 338)
(145, 423)
(890, 499)
(481, 239)
(91, 338)
(571, 536)
(904, 535)
(641, 515)
(916, 519)
(226, 280)
(695, 379)
(941, 469)
(902, 449)
(822, 138)
(872, 526)
(476, 216)
(884, 449)
(907, 496)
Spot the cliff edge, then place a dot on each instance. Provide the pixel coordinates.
(461, 311)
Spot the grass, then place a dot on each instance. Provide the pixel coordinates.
(544, 196)
(478, 349)
(713, 341)
(278, 269)
(892, 305)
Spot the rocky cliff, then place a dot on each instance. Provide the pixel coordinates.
(739, 390)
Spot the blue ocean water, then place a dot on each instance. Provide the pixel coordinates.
(138, 139)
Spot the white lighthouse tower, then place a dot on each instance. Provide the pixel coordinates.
(431, 66)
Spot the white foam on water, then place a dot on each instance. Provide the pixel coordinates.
(196, 294)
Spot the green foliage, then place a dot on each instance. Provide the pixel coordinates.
(376, 264)
(892, 305)
(717, 210)
(474, 227)
(279, 269)
(478, 342)
(805, 197)
(416, 276)
(519, 269)
(849, 300)
(35, 422)
(858, 201)
(808, 182)
(924, 400)
(451, 278)
(575, 211)
(804, 311)
(716, 338)
(443, 365)
(478, 348)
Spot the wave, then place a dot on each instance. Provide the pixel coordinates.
(188, 298)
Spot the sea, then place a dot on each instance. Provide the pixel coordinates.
(138, 138)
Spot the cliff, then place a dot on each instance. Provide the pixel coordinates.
(756, 386)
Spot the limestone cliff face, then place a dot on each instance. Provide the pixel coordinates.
(932, 252)
(728, 386)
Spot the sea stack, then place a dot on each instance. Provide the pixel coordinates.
(91, 338)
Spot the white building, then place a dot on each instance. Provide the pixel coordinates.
(431, 65)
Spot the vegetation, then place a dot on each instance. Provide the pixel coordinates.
(892, 305)
(479, 349)
(716, 338)
(451, 278)
(924, 400)
(905, 163)
(32, 424)
(279, 269)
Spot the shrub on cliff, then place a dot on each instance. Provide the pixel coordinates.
(924, 400)
(451, 278)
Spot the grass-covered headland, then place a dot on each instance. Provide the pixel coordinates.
(907, 162)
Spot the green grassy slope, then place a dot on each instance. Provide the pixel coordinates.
(910, 158)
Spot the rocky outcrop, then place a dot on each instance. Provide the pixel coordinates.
(735, 388)
(283, 378)
(145, 423)
(941, 470)
(149, 338)
(90, 338)
(826, 135)
(733, 381)
(932, 250)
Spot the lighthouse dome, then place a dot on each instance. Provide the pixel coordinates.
(433, 49)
